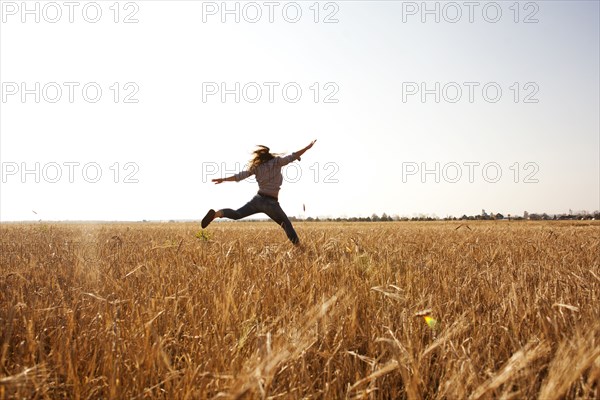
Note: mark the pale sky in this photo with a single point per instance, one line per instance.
(156, 156)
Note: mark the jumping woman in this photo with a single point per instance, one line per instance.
(267, 168)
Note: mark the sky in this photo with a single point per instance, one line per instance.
(126, 110)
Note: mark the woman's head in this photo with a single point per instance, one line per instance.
(261, 155)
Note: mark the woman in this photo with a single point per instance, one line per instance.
(267, 168)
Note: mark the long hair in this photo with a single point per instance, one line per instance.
(261, 155)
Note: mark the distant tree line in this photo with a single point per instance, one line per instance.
(484, 216)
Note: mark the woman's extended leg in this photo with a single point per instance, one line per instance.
(276, 213)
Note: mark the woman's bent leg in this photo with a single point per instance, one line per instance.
(247, 209)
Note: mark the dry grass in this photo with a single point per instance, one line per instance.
(135, 311)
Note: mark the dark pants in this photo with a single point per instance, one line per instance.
(266, 205)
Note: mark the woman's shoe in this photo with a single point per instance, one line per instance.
(210, 215)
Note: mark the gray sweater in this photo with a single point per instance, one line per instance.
(268, 174)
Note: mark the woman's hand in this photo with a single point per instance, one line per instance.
(218, 180)
(310, 145)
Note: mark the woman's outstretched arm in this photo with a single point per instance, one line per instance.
(302, 151)
(233, 178)
(221, 180)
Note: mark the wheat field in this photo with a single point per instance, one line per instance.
(395, 310)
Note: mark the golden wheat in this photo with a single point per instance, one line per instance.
(135, 311)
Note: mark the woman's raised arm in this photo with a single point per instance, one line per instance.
(302, 151)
